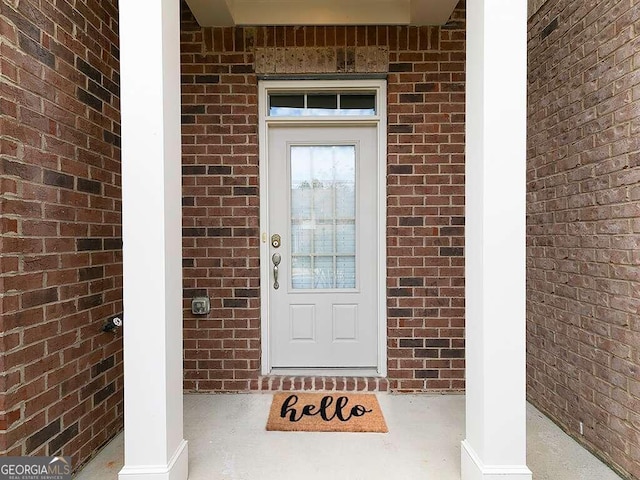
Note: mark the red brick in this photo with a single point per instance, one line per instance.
(239, 93)
(50, 126)
(580, 164)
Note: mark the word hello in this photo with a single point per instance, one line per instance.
(339, 410)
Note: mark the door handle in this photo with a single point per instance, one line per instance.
(276, 261)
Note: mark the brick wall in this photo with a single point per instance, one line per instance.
(60, 376)
(584, 223)
(425, 192)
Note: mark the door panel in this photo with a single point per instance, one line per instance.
(322, 203)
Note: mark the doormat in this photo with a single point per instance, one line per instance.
(326, 412)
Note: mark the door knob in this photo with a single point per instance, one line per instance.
(276, 258)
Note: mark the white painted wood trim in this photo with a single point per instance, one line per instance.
(269, 86)
(211, 13)
(177, 468)
(495, 241)
(382, 229)
(152, 241)
(263, 171)
(472, 468)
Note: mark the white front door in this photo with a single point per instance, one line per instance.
(322, 196)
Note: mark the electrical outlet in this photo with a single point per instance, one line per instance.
(200, 305)
(581, 428)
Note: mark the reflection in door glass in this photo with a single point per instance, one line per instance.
(321, 104)
(323, 223)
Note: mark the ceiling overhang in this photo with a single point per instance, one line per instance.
(210, 13)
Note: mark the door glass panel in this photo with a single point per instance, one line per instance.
(286, 104)
(323, 273)
(322, 100)
(323, 237)
(301, 272)
(358, 104)
(301, 238)
(321, 104)
(323, 223)
(346, 236)
(346, 267)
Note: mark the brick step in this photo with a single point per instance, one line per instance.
(278, 383)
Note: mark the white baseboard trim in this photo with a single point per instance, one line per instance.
(474, 469)
(176, 469)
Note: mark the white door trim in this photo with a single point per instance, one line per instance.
(380, 121)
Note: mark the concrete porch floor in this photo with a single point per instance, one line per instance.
(228, 440)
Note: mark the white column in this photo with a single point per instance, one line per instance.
(495, 444)
(151, 209)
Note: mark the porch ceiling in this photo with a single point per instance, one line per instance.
(211, 13)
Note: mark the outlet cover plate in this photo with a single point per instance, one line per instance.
(200, 305)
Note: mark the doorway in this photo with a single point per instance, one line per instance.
(323, 219)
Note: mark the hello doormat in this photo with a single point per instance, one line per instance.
(326, 412)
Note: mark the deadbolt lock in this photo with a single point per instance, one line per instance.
(275, 240)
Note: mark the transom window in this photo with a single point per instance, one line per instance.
(321, 104)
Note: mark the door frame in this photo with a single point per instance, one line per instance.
(379, 121)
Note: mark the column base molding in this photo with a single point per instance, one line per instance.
(176, 469)
(473, 468)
